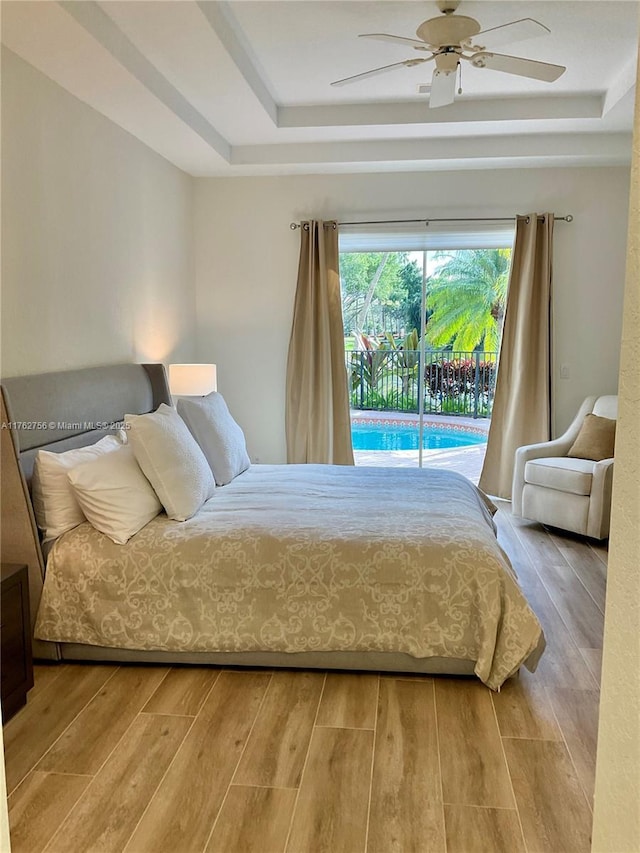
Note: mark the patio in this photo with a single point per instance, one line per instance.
(465, 460)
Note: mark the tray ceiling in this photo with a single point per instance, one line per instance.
(243, 87)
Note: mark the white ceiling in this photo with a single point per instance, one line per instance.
(242, 87)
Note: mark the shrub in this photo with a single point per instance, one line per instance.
(385, 376)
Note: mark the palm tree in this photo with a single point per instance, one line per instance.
(467, 297)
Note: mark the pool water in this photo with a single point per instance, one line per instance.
(406, 437)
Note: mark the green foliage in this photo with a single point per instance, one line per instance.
(463, 405)
(389, 304)
(465, 307)
(385, 376)
(411, 276)
(367, 363)
(453, 384)
(454, 377)
(394, 401)
(406, 358)
(407, 351)
(467, 297)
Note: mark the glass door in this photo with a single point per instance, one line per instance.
(422, 330)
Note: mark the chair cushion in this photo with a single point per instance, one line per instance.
(561, 473)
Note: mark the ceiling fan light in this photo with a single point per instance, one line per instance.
(447, 62)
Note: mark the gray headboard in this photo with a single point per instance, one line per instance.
(73, 408)
(57, 412)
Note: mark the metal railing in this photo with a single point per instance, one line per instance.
(454, 383)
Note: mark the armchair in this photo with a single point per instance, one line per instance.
(563, 491)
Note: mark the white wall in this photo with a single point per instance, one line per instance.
(246, 266)
(97, 236)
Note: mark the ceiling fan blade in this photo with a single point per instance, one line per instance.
(517, 65)
(443, 88)
(381, 70)
(525, 28)
(416, 43)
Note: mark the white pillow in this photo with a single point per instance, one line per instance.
(115, 496)
(220, 437)
(54, 503)
(171, 460)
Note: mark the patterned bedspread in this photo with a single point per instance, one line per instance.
(294, 558)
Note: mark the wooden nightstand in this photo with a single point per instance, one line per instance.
(15, 639)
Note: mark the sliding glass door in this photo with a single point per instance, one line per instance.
(422, 320)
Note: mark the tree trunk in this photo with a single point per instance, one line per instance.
(370, 292)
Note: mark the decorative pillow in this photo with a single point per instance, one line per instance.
(54, 503)
(171, 460)
(220, 437)
(115, 496)
(595, 440)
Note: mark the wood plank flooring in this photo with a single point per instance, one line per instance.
(181, 759)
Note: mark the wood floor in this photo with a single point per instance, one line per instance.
(108, 758)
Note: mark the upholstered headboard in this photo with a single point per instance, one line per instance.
(58, 412)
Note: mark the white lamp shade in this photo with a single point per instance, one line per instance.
(192, 380)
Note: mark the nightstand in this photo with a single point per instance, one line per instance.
(15, 639)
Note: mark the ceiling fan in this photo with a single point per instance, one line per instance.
(453, 38)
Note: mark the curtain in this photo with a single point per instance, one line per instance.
(318, 423)
(522, 405)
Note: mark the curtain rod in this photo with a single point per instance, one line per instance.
(568, 218)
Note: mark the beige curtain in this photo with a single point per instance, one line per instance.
(522, 404)
(318, 423)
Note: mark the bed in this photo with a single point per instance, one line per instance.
(288, 565)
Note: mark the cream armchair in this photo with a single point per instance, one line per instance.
(562, 491)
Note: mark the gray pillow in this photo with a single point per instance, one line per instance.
(220, 438)
(171, 460)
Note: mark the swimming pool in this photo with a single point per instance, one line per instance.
(405, 436)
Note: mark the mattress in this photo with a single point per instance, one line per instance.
(304, 558)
